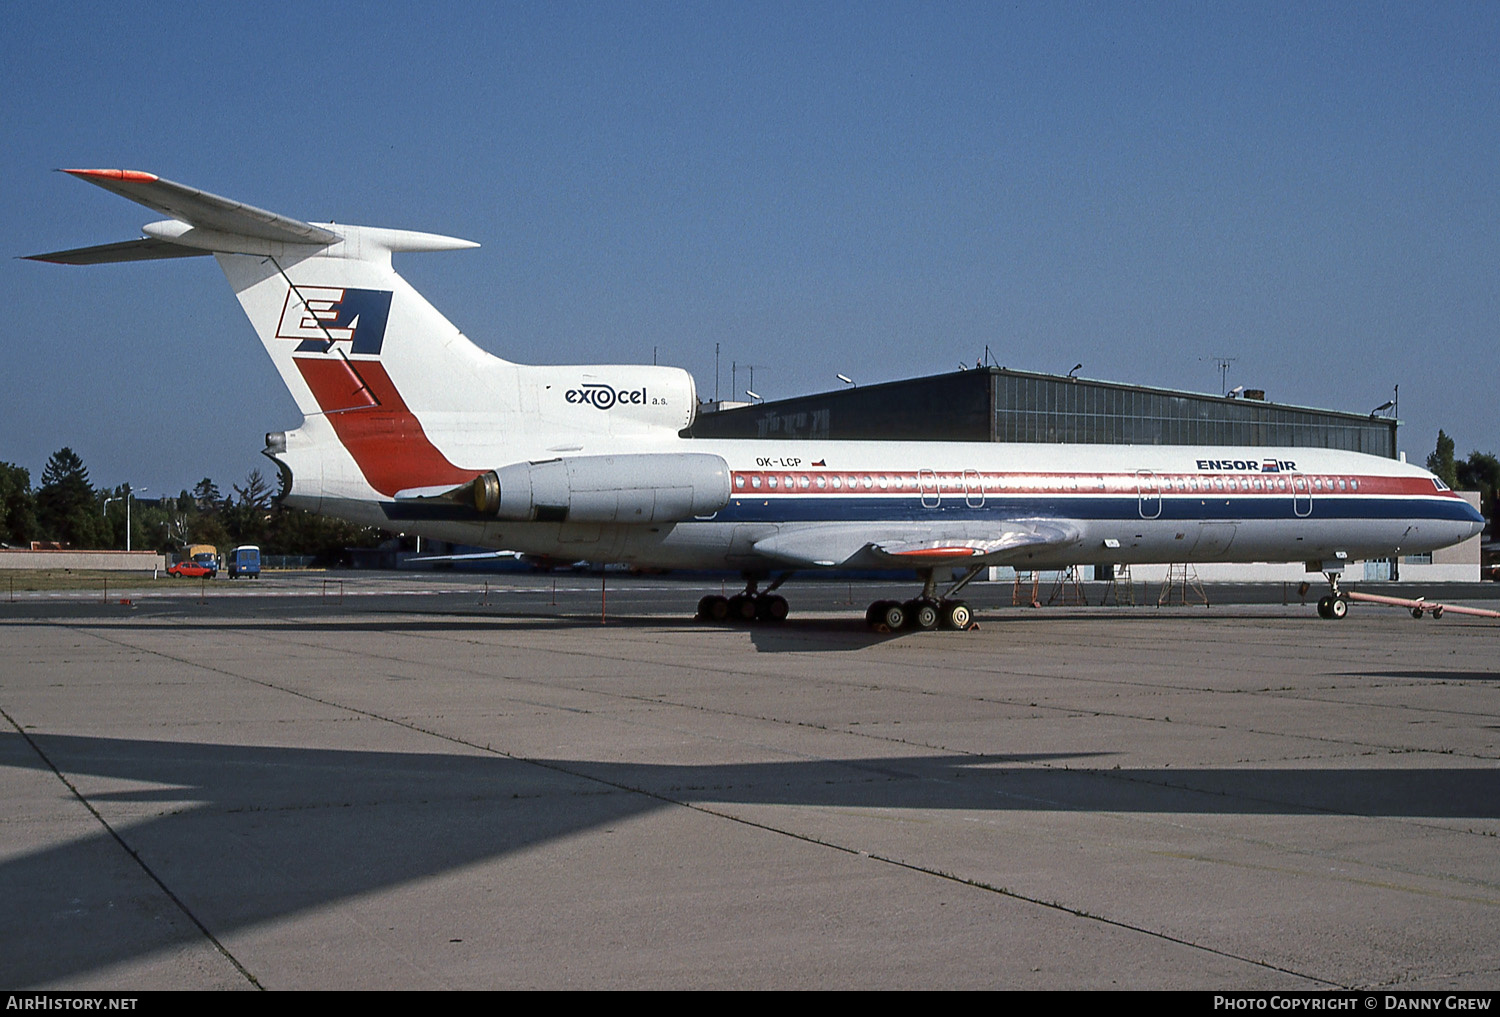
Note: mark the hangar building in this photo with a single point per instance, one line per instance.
(999, 404)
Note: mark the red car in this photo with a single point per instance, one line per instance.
(191, 569)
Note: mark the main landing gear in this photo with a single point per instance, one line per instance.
(1335, 604)
(927, 611)
(750, 606)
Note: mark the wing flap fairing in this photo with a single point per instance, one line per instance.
(859, 545)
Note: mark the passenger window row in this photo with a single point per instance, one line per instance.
(950, 483)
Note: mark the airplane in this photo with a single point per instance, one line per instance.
(409, 426)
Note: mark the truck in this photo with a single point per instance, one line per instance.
(245, 561)
(204, 554)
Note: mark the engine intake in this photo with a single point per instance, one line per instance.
(632, 488)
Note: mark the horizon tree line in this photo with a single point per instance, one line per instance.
(67, 509)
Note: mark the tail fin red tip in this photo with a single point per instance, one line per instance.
(115, 174)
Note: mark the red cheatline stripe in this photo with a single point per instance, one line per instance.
(373, 423)
(1028, 482)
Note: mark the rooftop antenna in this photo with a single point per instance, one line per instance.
(1223, 365)
(751, 368)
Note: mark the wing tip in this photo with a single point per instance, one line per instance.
(132, 176)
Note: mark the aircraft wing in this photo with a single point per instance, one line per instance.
(865, 545)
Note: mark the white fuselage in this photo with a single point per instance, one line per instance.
(1122, 504)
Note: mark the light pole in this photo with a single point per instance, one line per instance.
(128, 492)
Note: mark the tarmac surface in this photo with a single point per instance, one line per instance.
(461, 781)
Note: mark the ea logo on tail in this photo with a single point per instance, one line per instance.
(323, 315)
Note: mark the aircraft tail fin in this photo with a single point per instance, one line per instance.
(321, 292)
(377, 370)
(351, 339)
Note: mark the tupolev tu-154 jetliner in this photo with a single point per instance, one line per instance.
(409, 426)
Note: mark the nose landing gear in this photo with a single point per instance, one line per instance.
(1335, 605)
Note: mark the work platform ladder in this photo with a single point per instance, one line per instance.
(1018, 597)
(1121, 587)
(1182, 580)
(1068, 590)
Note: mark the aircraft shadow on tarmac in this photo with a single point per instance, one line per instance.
(244, 835)
(809, 635)
(1432, 674)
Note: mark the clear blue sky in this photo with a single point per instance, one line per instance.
(875, 189)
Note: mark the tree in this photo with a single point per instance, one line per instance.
(17, 505)
(256, 491)
(208, 528)
(206, 494)
(294, 531)
(1441, 462)
(248, 516)
(66, 507)
(1480, 472)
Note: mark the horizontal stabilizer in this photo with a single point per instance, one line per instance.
(146, 249)
(203, 210)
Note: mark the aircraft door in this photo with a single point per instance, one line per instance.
(1148, 492)
(932, 495)
(1301, 495)
(973, 489)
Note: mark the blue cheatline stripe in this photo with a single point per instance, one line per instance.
(825, 508)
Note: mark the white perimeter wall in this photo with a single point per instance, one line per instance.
(117, 561)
